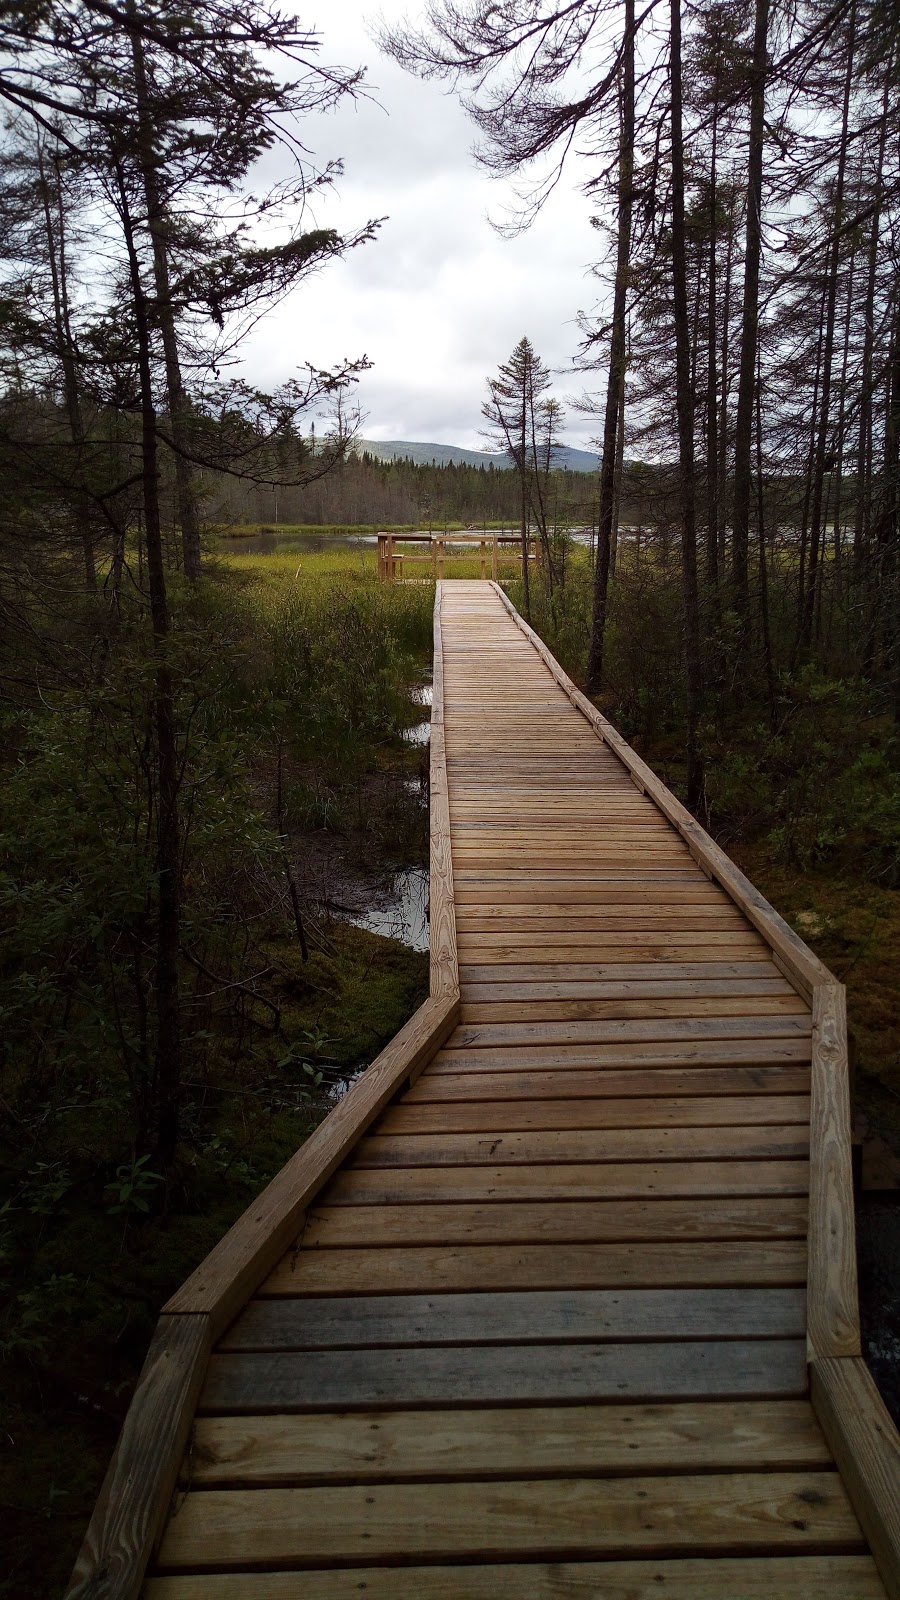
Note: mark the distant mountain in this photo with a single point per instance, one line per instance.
(440, 455)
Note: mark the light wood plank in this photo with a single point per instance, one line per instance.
(133, 1502)
(691, 1112)
(537, 1147)
(745, 1578)
(764, 1262)
(580, 1181)
(866, 1448)
(559, 1221)
(761, 1512)
(833, 1303)
(519, 1441)
(438, 1088)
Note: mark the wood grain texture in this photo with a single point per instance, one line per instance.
(866, 1447)
(435, 1089)
(444, 971)
(556, 1221)
(626, 1181)
(799, 963)
(581, 1266)
(763, 1512)
(538, 1147)
(516, 1441)
(230, 1273)
(674, 1111)
(744, 1578)
(133, 1502)
(833, 1301)
(540, 1317)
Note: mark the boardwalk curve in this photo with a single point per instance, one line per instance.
(560, 1301)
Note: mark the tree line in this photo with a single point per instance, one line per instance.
(742, 163)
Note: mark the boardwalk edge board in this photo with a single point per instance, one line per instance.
(833, 1302)
(131, 1512)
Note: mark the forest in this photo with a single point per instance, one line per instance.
(204, 751)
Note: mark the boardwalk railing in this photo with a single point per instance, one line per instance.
(396, 548)
(133, 1504)
(853, 1416)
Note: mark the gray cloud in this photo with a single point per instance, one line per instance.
(440, 299)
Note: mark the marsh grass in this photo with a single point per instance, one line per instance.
(294, 691)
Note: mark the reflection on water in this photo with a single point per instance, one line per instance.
(270, 540)
(422, 694)
(420, 734)
(403, 913)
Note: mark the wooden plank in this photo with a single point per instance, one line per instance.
(525, 972)
(545, 1012)
(742, 1578)
(559, 1221)
(518, 1317)
(622, 1030)
(762, 1512)
(501, 1374)
(442, 1269)
(230, 1273)
(520, 1441)
(538, 1147)
(833, 1302)
(866, 1448)
(443, 969)
(521, 1116)
(704, 1052)
(128, 1516)
(605, 1181)
(658, 987)
(799, 962)
(587, 1083)
(622, 945)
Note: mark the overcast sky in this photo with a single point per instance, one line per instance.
(440, 299)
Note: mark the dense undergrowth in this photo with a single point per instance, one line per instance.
(294, 690)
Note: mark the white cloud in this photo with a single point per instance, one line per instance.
(440, 299)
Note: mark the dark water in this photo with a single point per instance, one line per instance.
(878, 1247)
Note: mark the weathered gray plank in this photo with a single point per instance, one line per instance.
(500, 1374)
(567, 1317)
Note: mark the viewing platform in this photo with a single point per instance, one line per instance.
(396, 550)
(559, 1302)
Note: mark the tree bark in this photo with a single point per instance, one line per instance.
(179, 406)
(57, 262)
(167, 1074)
(743, 431)
(684, 402)
(615, 388)
(817, 526)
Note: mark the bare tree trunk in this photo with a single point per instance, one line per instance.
(684, 401)
(817, 527)
(615, 388)
(57, 262)
(864, 451)
(726, 388)
(743, 432)
(179, 406)
(712, 380)
(167, 1084)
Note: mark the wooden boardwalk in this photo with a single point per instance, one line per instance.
(534, 1313)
